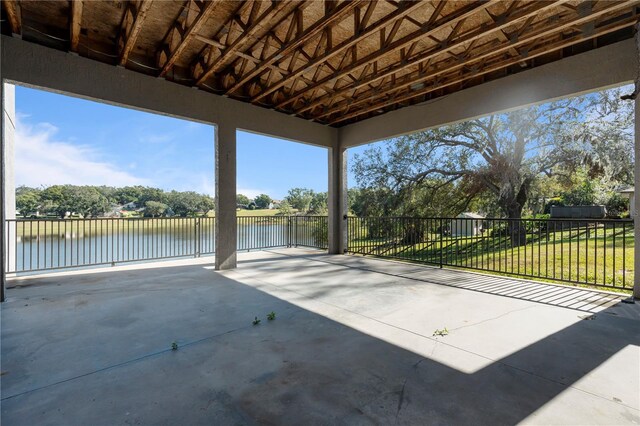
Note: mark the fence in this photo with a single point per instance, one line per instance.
(39, 245)
(593, 252)
(261, 232)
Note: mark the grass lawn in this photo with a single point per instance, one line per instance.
(599, 256)
(52, 227)
(261, 212)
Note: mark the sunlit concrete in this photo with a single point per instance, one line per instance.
(353, 343)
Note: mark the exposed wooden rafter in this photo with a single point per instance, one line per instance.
(134, 16)
(404, 8)
(256, 22)
(432, 26)
(12, 9)
(193, 16)
(314, 30)
(75, 24)
(452, 44)
(332, 61)
(384, 99)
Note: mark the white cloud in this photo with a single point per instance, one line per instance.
(40, 159)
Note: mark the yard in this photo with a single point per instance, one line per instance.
(596, 255)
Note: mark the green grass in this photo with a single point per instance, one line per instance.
(61, 227)
(53, 227)
(261, 212)
(593, 258)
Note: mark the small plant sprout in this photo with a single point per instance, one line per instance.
(442, 332)
(174, 346)
(271, 316)
(256, 321)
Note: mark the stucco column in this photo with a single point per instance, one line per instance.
(3, 275)
(337, 200)
(9, 177)
(636, 199)
(226, 224)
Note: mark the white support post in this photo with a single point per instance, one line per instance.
(636, 218)
(226, 224)
(3, 274)
(337, 200)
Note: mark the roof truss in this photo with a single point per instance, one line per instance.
(332, 61)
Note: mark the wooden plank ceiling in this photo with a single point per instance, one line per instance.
(335, 62)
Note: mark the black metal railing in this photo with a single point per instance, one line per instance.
(47, 244)
(593, 252)
(583, 251)
(36, 245)
(262, 232)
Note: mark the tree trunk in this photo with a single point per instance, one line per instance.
(516, 228)
(413, 233)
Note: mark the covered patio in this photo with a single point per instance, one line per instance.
(354, 342)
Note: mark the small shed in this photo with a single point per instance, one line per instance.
(467, 224)
(578, 212)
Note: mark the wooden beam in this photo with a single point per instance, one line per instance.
(12, 9)
(433, 26)
(242, 55)
(544, 49)
(314, 30)
(524, 14)
(404, 9)
(75, 24)
(204, 68)
(183, 30)
(134, 16)
(490, 51)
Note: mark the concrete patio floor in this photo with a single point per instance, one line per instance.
(353, 343)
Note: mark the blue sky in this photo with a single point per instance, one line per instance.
(61, 140)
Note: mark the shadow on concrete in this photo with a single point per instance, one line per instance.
(584, 299)
(94, 349)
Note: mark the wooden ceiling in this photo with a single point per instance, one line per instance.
(334, 62)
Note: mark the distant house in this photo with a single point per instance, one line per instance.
(467, 224)
(630, 193)
(129, 206)
(275, 204)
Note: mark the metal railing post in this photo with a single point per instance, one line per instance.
(441, 243)
(197, 238)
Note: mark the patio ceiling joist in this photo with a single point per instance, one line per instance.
(453, 42)
(134, 16)
(456, 69)
(192, 17)
(12, 10)
(296, 38)
(334, 62)
(253, 27)
(387, 46)
(75, 22)
(360, 32)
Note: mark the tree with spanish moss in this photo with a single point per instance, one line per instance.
(502, 155)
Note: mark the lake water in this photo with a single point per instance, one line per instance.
(33, 250)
